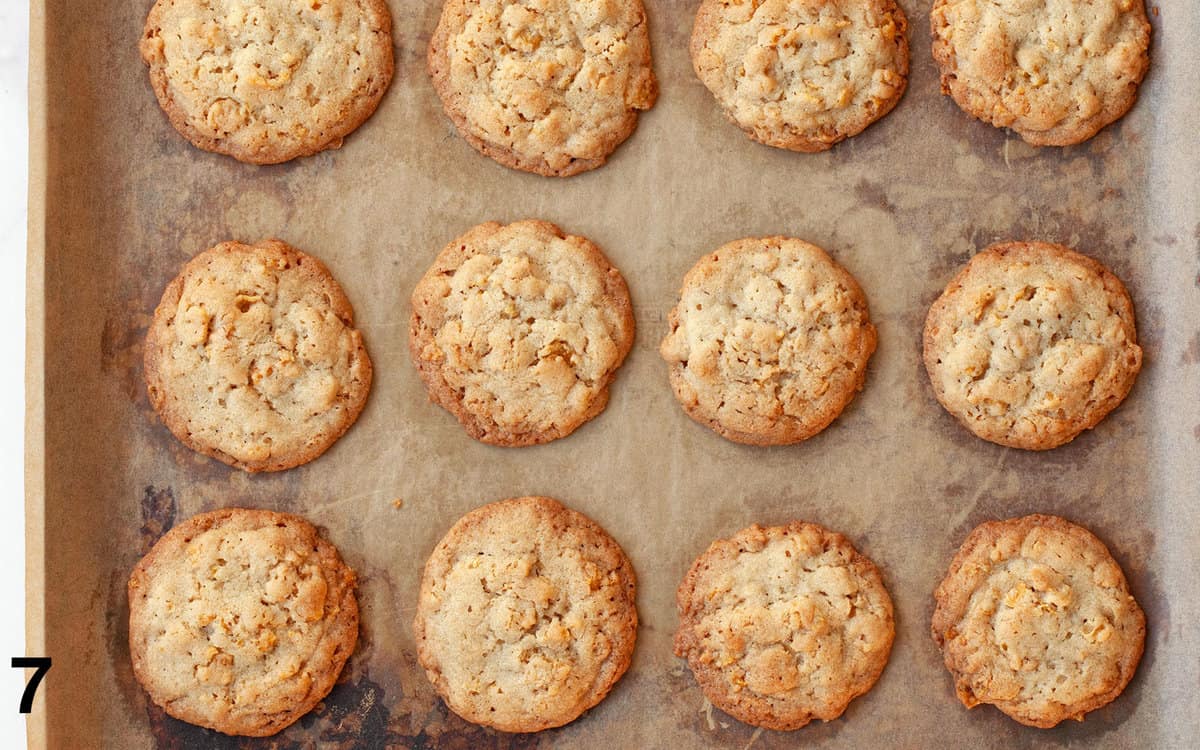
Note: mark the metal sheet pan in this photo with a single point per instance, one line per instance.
(120, 201)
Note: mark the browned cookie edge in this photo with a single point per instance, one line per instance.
(624, 635)
(704, 28)
(421, 334)
(1034, 252)
(789, 431)
(947, 62)
(453, 19)
(951, 599)
(273, 153)
(339, 644)
(155, 344)
(690, 605)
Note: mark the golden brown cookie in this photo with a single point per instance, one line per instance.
(1035, 617)
(269, 80)
(519, 329)
(1054, 71)
(784, 625)
(241, 620)
(526, 616)
(545, 86)
(1031, 344)
(253, 358)
(802, 74)
(769, 341)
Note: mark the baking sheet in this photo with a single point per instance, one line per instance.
(120, 201)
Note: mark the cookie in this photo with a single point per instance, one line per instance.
(1035, 618)
(271, 80)
(769, 341)
(544, 86)
(518, 330)
(241, 620)
(802, 74)
(784, 625)
(526, 615)
(1055, 71)
(1031, 344)
(253, 358)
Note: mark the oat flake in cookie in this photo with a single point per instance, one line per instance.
(544, 86)
(253, 358)
(241, 620)
(769, 341)
(1031, 344)
(802, 74)
(784, 625)
(526, 616)
(265, 81)
(519, 329)
(1035, 617)
(1054, 71)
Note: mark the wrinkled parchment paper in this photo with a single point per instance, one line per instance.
(121, 201)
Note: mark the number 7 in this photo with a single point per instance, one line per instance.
(42, 665)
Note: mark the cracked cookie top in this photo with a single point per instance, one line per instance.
(1035, 617)
(519, 329)
(1031, 344)
(769, 341)
(783, 625)
(269, 80)
(802, 74)
(241, 620)
(526, 615)
(544, 86)
(253, 358)
(1054, 71)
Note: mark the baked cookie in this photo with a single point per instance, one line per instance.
(519, 329)
(1054, 71)
(769, 341)
(253, 358)
(1035, 618)
(802, 74)
(241, 620)
(526, 615)
(271, 80)
(545, 86)
(1031, 344)
(784, 625)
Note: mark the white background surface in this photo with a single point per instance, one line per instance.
(14, 56)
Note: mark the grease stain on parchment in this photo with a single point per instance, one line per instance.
(158, 515)
(1191, 352)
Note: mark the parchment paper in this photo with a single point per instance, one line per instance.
(121, 202)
